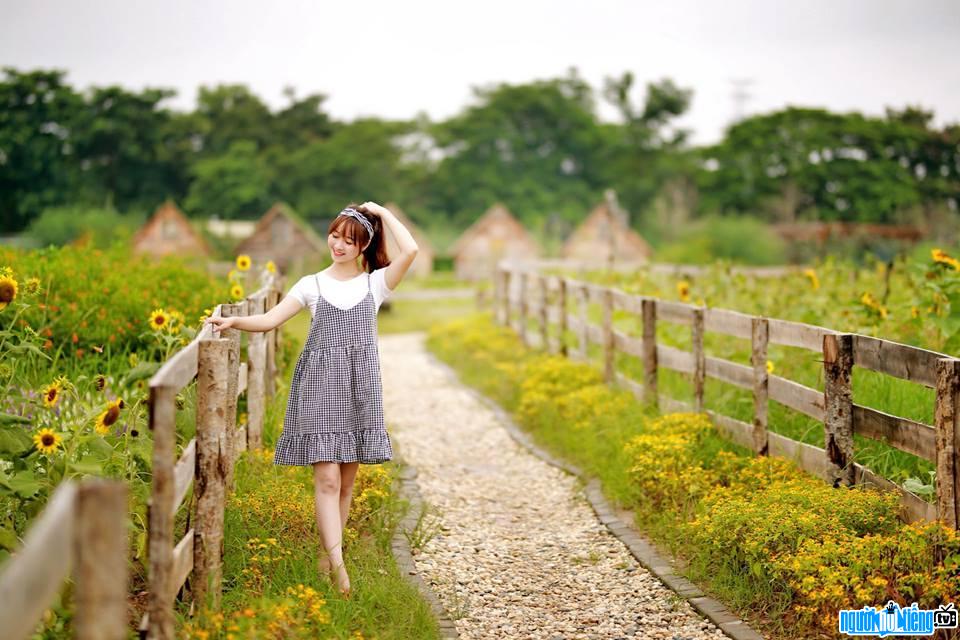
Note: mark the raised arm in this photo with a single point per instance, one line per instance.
(272, 319)
(408, 246)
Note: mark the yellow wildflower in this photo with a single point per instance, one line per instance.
(243, 262)
(51, 392)
(769, 366)
(271, 267)
(683, 290)
(236, 292)
(47, 441)
(812, 276)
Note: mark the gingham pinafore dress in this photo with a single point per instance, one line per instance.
(335, 407)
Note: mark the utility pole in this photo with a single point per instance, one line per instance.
(740, 96)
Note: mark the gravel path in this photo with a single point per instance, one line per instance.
(519, 552)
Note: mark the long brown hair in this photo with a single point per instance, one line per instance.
(375, 257)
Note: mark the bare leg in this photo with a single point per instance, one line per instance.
(348, 473)
(326, 480)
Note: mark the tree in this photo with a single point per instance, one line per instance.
(38, 111)
(533, 146)
(233, 185)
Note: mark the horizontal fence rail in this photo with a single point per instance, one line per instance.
(558, 305)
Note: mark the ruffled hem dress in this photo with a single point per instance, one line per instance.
(335, 406)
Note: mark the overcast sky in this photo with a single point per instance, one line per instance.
(396, 58)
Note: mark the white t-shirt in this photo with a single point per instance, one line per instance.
(341, 294)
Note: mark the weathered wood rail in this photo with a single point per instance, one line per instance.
(83, 528)
(523, 296)
(207, 461)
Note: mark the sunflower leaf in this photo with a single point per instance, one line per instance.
(13, 439)
(24, 484)
(10, 418)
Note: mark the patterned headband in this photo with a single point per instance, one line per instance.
(353, 213)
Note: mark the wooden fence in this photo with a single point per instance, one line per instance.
(84, 524)
(207, 461)
(83, 527)
(522, 296)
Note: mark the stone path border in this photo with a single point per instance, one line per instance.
(406, 486)
(641, 549)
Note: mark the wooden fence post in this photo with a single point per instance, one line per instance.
(562, 304)
(648, 308)
(699, 359)
(210, 488)
(608, 351)
(544, 335)
(256, 378)
(523, 307)
(838, 405)
(101, 550)
(233, 381)
(160, 532)
(584, 333)
(273, 298)
(947, 425)
(760, 335)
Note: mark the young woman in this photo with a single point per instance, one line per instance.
(334, 417)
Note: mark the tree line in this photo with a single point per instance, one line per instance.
(539, 147)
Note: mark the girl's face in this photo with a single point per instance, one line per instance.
(342, 247)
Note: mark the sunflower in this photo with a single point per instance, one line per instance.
(236, 292)
(159, 320)
(8, 290)
(109, 417)
(271, 267)
(31, 285)
(176, 321)
(683, 290)
(100, 381)
(769, 366)
(243, 262)
(47, 441)
(51, 393)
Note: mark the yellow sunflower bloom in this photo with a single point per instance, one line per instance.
(109, 417)
(769, 366)
(8, 290)
(51, 393)
(47, 441)
(159, 320)
(243, 262)
(683, 290)
(236, 292)
(271, 267)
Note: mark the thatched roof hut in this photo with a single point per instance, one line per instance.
(423, 264)
(169, 232)
(496, 236)
(282, 236)
(605, 238)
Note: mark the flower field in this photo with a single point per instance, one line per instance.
(780, 546)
